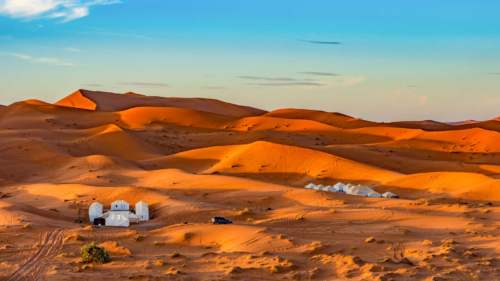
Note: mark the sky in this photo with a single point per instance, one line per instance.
(380, 60)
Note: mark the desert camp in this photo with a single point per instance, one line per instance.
(119, 215)
(351, 189)
(249, 140)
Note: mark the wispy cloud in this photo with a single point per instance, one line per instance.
(321, 42)
(263, 78)
(65, 10)
(40, 60)
(269, 81)
(288, 84)
(335, 80)
(324, 74)
(145, 84)
(72, 50)
(494, 73)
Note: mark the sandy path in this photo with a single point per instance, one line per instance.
(49, 246)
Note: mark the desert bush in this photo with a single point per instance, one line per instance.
(92, 253)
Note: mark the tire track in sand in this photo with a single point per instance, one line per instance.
(50, 245)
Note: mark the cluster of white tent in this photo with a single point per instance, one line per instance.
(351, 189)
(119, 214)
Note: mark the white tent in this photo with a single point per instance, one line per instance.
(117, 219)
(120, 205)
(389, 194)
(351, 189)
(361, 190)
(142, 210)
(95, 211)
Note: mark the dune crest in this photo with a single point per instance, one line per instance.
(106, 101)
(330, 118)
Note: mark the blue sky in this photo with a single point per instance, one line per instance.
(395, 59)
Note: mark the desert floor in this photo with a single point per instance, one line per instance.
(192, 159)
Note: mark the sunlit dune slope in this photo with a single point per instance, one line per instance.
(114, 141)
(263, 123)
(445, 184)
(292, 164)
(390, 133)
(408, 161)
(229, 238)
(330, 118)
(33, 114)
(141, 117)
(23, 158)
(467, 140)
(104, 101)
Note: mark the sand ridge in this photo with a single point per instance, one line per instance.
(105, 101)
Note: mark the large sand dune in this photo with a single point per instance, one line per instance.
(103, 101)
(193, 158)
(333, 119)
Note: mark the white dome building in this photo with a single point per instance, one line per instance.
(120, 205)
(142, 211)
(95, 211)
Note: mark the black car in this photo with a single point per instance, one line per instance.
(221, 220)
(99, 221)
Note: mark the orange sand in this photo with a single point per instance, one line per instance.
(192, 159)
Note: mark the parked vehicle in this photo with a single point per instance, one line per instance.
(221, 220)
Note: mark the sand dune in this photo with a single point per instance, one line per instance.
(37, 115)
(464, 122)
(454, 184)
(103, 101)
(469, 140)
(192, 159)
(292, 164)
(493, 125)
(389, 132)
(114, 141)
(261, 123)
(331, 118)
(428, 125)
(141, 117)
(229, 238)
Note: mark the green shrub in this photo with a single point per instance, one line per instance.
(93, 253)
